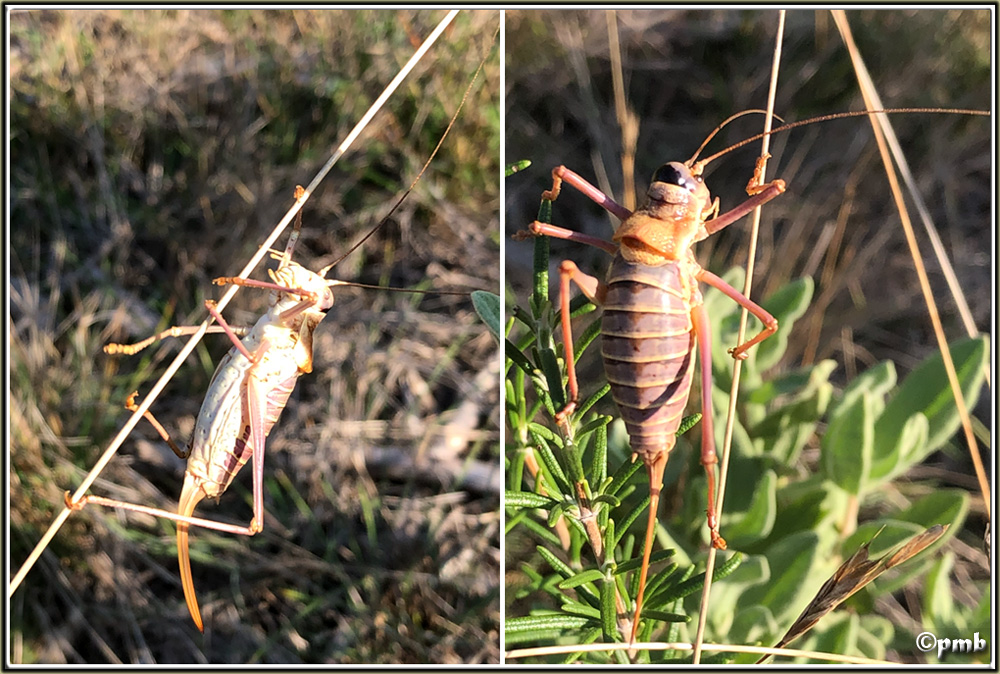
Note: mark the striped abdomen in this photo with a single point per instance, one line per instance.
(648, 349)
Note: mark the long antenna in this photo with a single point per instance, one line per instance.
(427, 163)
(826, 118)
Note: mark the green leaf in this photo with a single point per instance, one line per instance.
(752, 625)
(758, 520)
(555, 621)
(665, 578)
(625, 522)
(839, 635)
(599, 463)
(544, 452)
(611, 501)
(912, 437)
(727, 598)
(609, 613)
(877, 381)
(941, 506)
(793, 579)
(621, 477)
(576, 608)
(873, 636)
(810, 505)
(557, 564)
(664, 616)
(655, 557)
(783, 384)
(787, 304)
(847, 445)
(516, 166)
(939, 602)
(487, 305)
(592, 400)
(527, 499)
(926, 390)
(515, 469)
(513, 353)
(543, 636)
(687, 423)
(787, 428)
(695, 583)
(553, 377)
(804, 406)
(588, 576)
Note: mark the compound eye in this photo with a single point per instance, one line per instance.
(676, 173)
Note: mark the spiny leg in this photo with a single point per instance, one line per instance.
(545, 229)
(214, 311)
(176, 331)
(760, 195)
(770, 322)
(699, 319)
(257, 409)
(595, 291)
(562, 174)
(654, 468)
(132, 407)
(91, 499)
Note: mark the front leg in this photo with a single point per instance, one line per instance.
(770, 322)
(759, 195)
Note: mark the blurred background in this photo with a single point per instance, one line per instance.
(152, 151)
(687, 71)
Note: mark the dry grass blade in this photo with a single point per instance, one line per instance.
(879, 125)
(954, 287)
(519, 653)
(744, 315)
(628, 121)
(853, 575)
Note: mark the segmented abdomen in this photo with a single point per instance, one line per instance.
(648, 349)
(222, 443)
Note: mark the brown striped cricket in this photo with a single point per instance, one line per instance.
(654, 321)
(596, 126)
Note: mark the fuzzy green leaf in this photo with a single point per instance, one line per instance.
(588, 576)
(877, 381)
(555, 621)
(609, 614)
(787, 304)
(527, 499)
(792, 561)
(847, 445)
(926, 390)
(939, 600)
(758, 520)
(487, 305)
